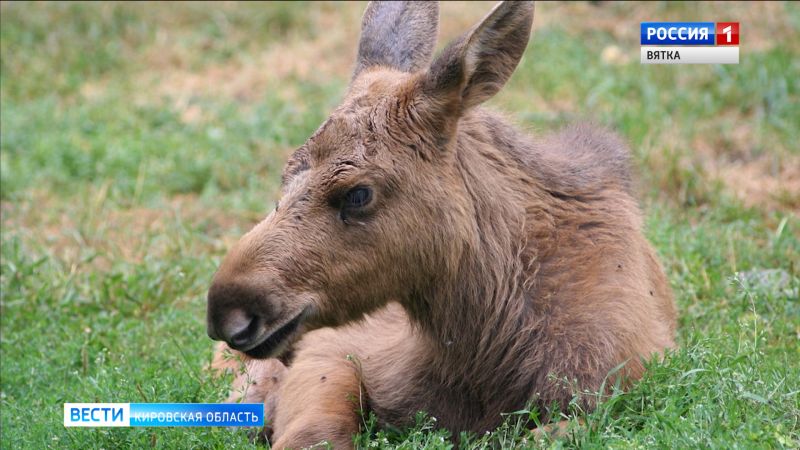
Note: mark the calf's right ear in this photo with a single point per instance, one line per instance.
(397, 34)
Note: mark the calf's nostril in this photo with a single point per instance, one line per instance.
(235, 326)
(245, 335)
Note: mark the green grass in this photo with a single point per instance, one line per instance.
(121, 189)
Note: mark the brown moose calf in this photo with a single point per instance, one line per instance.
(427, 256)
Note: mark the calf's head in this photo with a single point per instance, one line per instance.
(373, 207)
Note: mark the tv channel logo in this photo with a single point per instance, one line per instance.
(689, 42)
(97, 415)
(163, 414)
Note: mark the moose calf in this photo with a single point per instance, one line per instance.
(427, 256)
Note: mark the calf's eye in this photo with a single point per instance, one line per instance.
(358, 197)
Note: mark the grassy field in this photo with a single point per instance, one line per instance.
(140, 141)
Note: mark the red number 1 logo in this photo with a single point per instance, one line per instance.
(727, 33)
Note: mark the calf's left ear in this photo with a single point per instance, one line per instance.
(475, 67)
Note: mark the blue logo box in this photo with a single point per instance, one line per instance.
(677, 33)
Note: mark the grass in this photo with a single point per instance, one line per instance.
(139, 142)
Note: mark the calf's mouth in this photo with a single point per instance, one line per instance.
(273, 344)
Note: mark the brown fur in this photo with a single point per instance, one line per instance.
(489, 269)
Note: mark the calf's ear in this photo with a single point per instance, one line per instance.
(399, 35)
(474, 67)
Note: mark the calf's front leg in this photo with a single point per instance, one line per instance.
(319, 402)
